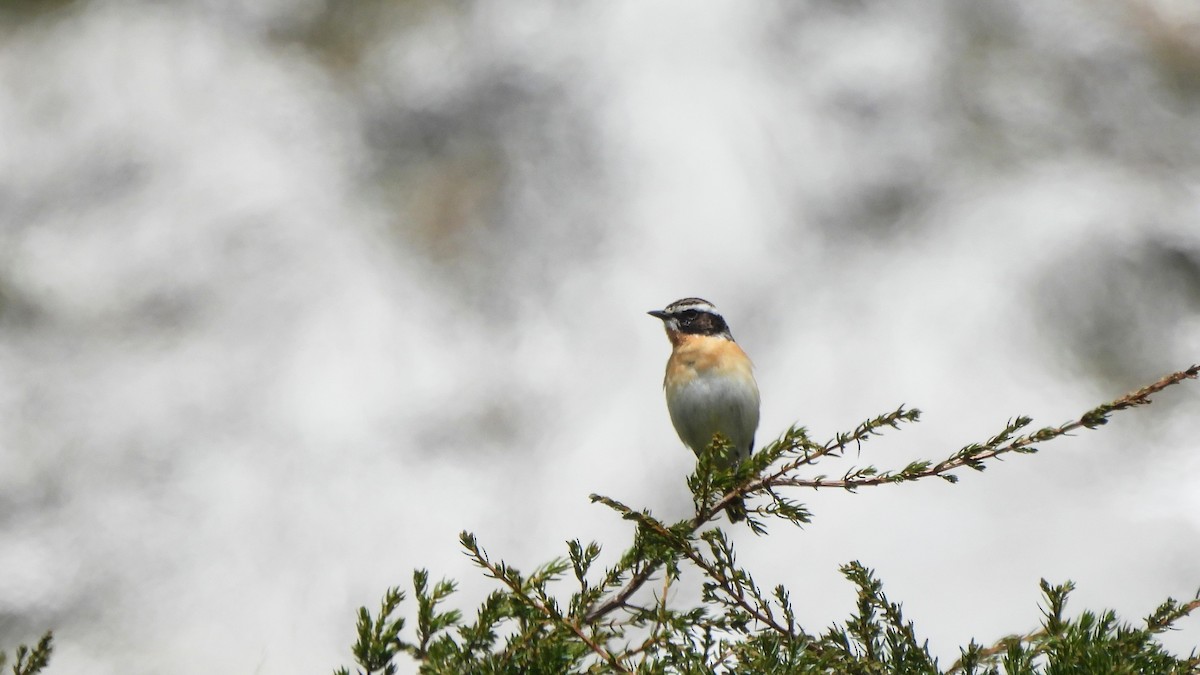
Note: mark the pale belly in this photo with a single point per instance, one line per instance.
(707, 405)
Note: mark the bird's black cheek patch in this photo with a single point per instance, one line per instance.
(703, 323)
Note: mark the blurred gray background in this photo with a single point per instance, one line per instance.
(292, 292)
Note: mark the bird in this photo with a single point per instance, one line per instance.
(709, 384)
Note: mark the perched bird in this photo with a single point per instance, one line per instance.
(709, 384)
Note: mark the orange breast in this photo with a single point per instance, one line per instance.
(695, 354)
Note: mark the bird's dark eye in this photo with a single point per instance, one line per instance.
(688, 315)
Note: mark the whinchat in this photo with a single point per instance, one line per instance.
(709, 384)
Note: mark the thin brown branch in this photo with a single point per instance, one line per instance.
(779, 477)
(1001, 645)
(1178, 613)
(835, 447)
(639, 578)
(832, 448)
(594, 646)
(620, 599)
(735, 594)
(1091, 419)
(551, 613)
(730, 589)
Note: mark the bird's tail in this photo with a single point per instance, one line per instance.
(736, 510)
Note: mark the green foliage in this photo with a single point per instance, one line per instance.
(569, 616)
(379, 637)
(31, 660)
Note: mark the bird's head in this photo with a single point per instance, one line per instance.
(692, 316)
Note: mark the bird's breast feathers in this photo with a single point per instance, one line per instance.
(706, 356)
(710, 388)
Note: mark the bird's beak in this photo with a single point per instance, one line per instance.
(658, 314)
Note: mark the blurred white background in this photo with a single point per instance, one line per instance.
(293, 292)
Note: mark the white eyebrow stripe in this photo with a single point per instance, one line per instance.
(697, 305)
